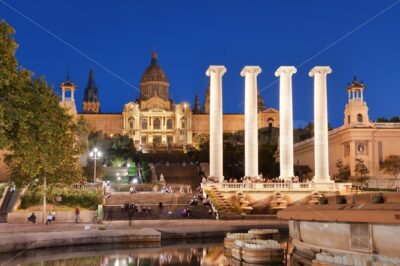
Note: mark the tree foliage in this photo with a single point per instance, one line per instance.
(39, 134)
(394, 119)
(361, 170)
(391, 165)
(343, 171)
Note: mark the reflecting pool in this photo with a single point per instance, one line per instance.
(166, 254)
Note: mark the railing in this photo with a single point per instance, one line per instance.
(88, 186)
(271, 187)
(261, 186)
(386, 125)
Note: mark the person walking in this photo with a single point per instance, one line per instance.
(77, 213)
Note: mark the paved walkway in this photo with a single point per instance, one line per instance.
(168, 226)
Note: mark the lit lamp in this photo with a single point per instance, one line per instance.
(118, 177)
(95, 154)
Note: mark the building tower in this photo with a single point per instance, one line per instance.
(67, 96)
(154, 81)
(356, 111)
(260, 103)
(206, 104)
(91, 103)
(196, 107)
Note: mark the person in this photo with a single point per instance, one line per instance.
(32, 218)
(49, 218)
(184, 212)
(77, 212)
(160, 206)
(54, 216)
(397, 189)
(131, 190)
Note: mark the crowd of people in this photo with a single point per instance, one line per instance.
(259, 179)
(197, 199)
(135, 208)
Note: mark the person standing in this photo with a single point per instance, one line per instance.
(77, 213)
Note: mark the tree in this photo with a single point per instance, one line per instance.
(343, 171)
(361, 170)
(146, 172)
(88, 171)
(391, 165)
(395, 119)
(382, 120)
(39, 134)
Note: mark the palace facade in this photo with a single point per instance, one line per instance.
(155, 120)
(357, 138)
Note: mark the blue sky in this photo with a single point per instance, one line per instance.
(191, 35)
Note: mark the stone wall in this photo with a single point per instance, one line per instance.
(61, 216)
(337, 238)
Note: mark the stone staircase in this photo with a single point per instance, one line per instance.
(223, 207)
(200, 212)
(172, 205)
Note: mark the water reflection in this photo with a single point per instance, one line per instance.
(193, 254)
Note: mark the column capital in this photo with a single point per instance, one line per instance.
(216, 69)
(250, 70)
(285, 69)
(320, 70)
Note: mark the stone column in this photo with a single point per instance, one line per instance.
(216, 121)
(250, 120)
(285, 121)
(321, 124)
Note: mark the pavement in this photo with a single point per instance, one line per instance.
(164, 226)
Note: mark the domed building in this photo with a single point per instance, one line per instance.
(156, 122)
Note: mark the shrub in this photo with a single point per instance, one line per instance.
(88, 199)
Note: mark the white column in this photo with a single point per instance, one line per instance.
(321, 124)
(250, 120)
(63, 95)
(216, 122)
(285, 121)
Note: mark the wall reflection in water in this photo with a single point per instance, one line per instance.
(170, 255)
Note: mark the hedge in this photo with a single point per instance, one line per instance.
(88, 199)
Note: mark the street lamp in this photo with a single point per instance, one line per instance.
(95, 154)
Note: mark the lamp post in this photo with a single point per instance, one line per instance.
(95, 154)
(44, 199)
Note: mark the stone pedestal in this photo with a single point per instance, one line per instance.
(250, 120)
(285, 121)
(321, 124)
(216, 122)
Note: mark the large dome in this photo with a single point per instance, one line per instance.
(154, 72)
(154, 82)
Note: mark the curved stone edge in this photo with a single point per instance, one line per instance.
(11, 243)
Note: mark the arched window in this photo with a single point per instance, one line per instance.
(169, 124)
(359, 118)
(270, 122)
(144, 124)
(131, 123)
(183, 123)
(157, 123)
